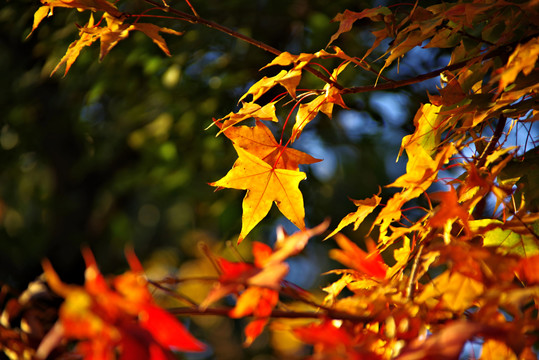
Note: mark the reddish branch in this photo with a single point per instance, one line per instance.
(195, 19)
(493, 142)
(419, 78)
(335, 315)
(213, 25)
(503, 50)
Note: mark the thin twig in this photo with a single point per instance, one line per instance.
(192, 8)
(501, 50)
(284, 314)
(174, 294)
(413, 273)
(493, 142)
(213, 25)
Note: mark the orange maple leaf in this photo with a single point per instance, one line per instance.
(261, 294)
(263, 278)
(449, 210)
(116, 317)
(354, 257)
(325, 334)
(88, 35)
(528, 270)
(332, 341)
(265, 185)
(259, 141)
(109, 35)
(348, 18)
(152, 31)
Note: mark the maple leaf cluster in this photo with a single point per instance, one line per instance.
(260, 282)
(482, 256)
(425, 285)
(109, 34)
(114, 317)
(267, 169)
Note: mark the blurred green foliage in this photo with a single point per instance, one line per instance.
(116, 152)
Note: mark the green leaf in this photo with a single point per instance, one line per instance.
(510, 242)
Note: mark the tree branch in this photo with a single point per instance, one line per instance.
(334, 315)
(492, 143)
(213, 25)
(501, 50)
(194, 19)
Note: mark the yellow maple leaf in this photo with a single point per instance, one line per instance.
(496, 350)
(92, 5)
(523, 60)
(249, 110)
(88, 35)
(364, 208)
(429, 126)
(265, 185)
(457, 291)
(289, 80)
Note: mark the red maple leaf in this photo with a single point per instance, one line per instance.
(113, 317)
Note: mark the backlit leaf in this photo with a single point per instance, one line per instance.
(522, 59)
(105, 317)
(259, 141)
(354, 257)
(458, 292)
(364, 208)
(152, 31)
(249, 110)
(348, 18)
(510, 242)
(496, 350)
(265, 185)
(429, 125)
(449, 209)
(322, 103)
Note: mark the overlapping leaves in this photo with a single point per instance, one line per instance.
(266, 182)
(258, 284)
(114, 29)
(113, 317)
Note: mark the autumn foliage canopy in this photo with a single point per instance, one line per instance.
(459, 266)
